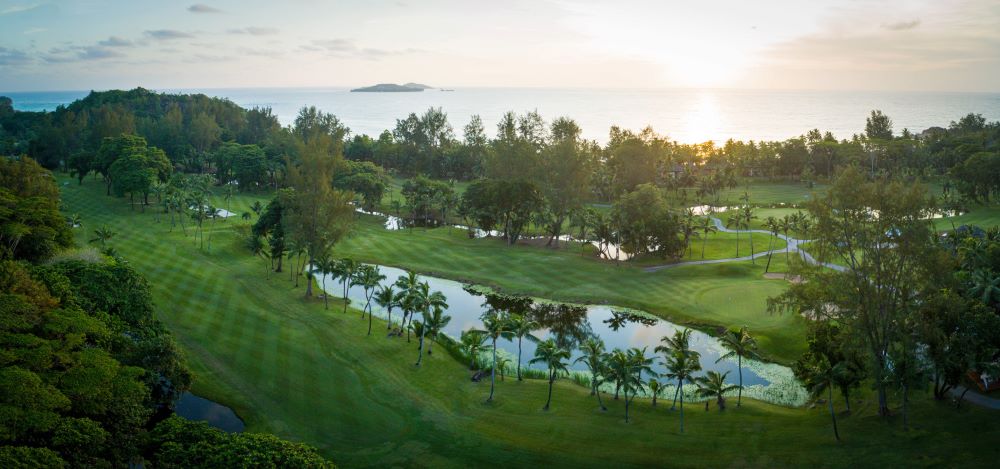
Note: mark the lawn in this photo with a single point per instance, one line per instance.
(288, 366)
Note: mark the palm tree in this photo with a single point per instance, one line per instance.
(594, 358)
(747, 217)
(821, 376)
(424, 301)
(628, 368)
(713, 384)
(521, 328)
(344, 270)
(502, 363)
(707, 228)
(369, 277)
(228, 194)
(787, 224)
(435, 323)
(734, 223)
(472, 343)
(679, 342)
(407, 284)
(554, 357)
(103, 234)
(655, 389)
(75, 220)
(386, 298)
(774, 226)
(325, 266)
(741, 345)
(681, 366)
(496, 325)
(985, 285)
(689, 229)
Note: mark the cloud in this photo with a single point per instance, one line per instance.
(202, 8)
(901, 25)
(347, 48)
(96, 53)
(115, 41)
(17, 9)
(13, 57)
(254, 31)
(35, 30)
(167, 34)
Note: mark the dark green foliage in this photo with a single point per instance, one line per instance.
(31, 226)
(365, 179)
(178, 443)
(508, 205)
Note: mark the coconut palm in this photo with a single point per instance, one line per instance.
(554, 358)
(521, 328)
(681, 366)
(628, 367)
(747, 217)
(774, 226)
(369, 277)
(386, 298)
(595, 359)
(102, 235)
(425, 301)
(740, 345)
(228, 193)
(407, 284)
(344, 271)
(821, 375)
(713, 384)
(707, 227)
(75, 220)
(679, 342)
(985, 285)
(472, 343)
(733, 222)
(786, 224)
(502, 363)
(436, 322)
(325, 266)
(496, 325)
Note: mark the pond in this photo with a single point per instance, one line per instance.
(571, 324)
(198, 408)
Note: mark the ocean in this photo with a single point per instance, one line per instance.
(684, 115)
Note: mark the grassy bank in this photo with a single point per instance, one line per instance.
(288, 366)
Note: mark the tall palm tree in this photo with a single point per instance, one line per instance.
(595, 359)
(774, 226)
(386, 298)
(521, 327)
(496, 325)
(679, 342)
(554, 357)
(628, 367)
(746, 213)
(821, 376)
(787, 223)
(407, 284)
(713, 384)
(472, 343)
(435, 323)
(425, 301)
(502, 363)
(741, 345)
(345, 270)
(707, 227)
(325, 266)
(369, 277)
(682, 366)
(733, 222)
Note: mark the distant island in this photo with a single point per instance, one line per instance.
(393, 88)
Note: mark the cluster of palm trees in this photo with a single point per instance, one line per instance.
(189, 196)
(793, 222)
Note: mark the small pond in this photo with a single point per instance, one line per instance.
(194, 407)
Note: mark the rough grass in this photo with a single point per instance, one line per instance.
(288, 366)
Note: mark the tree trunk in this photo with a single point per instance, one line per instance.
(493, 373)
(368, 305)
(309, 284)
(739, 392)
(833, 416)
(326, 296)
(600, 401)
(552, 378)
(682, 411)
(626, 405)
(420, 350)
(519, 359)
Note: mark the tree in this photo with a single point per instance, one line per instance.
(564, 176)
(879, 229)
(680, 342)
(496, 325)
(408, 285)
(31, 226)
(387, 298)
(425, 301)
(820, 375)
(713, 384)
(521, 327)
(734, 222)
(741, 345)
(655, 389)
(627, 368)
(102, 235)
(435, 323)
(646, 223)
(707, 227)
(471, 343)
(681, 366)
(369, 277)
(318, 215)
(773, 226)
(345, 270)
(554, 359)
(594, 357)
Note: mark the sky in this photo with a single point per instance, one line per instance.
(941, 45)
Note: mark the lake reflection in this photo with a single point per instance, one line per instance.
(568, 324)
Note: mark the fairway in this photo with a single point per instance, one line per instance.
(287, 365)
